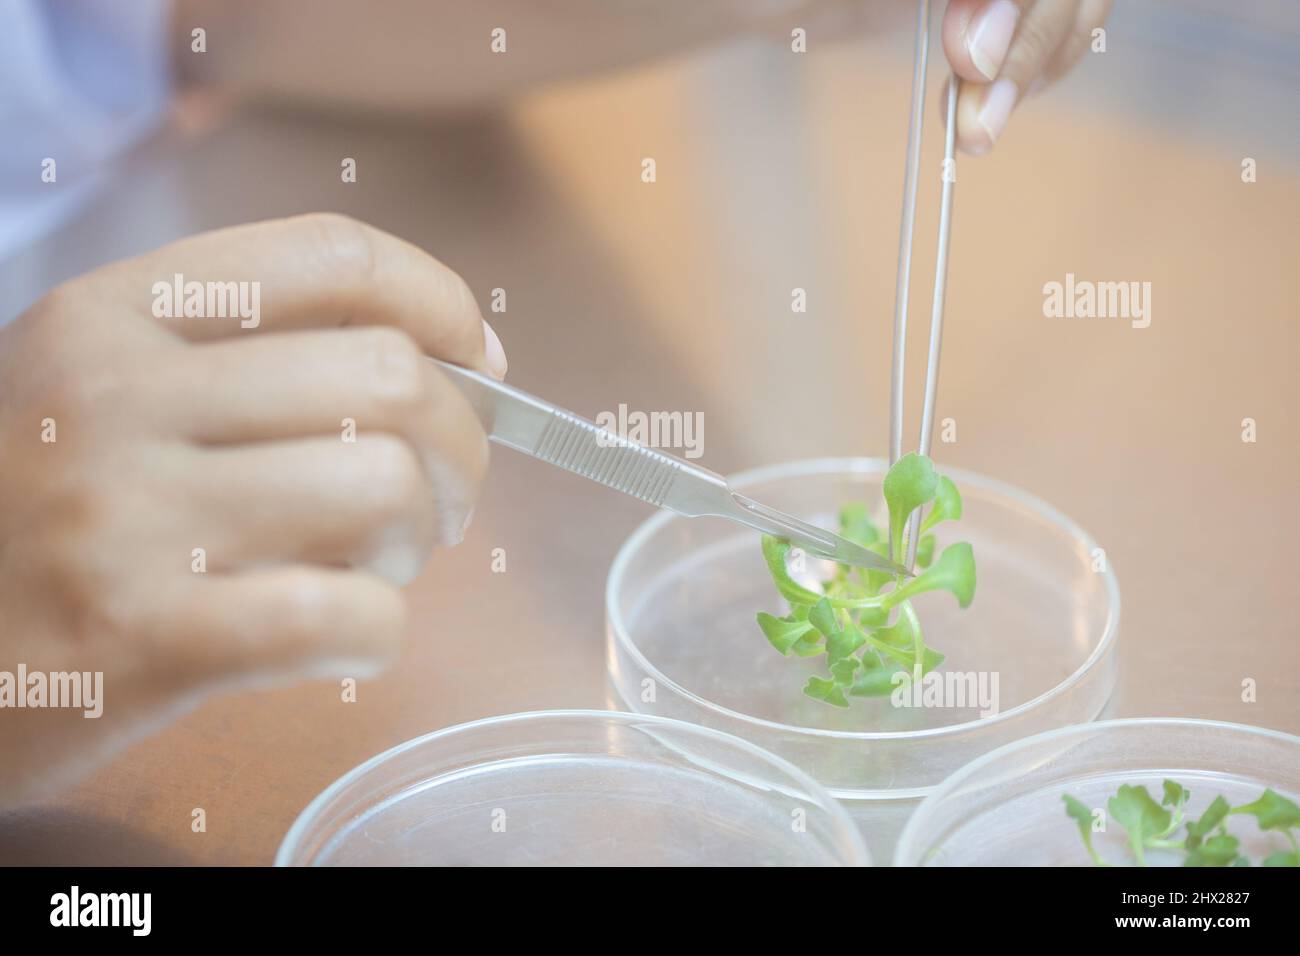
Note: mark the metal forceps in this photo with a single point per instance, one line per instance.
(529, 424)
(911, 175)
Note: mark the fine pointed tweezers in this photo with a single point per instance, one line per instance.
(535, 427)
(905, 258)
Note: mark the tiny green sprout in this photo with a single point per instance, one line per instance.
(1198, 830)
(954, 571)
(827, 690)
(910, 483)
(1175, 795)
(863, 619)
(1083, 817)
(1151, 825)
(1219, 850)
(1141, 817)
(947, 505)
(1272, 811)
(783, 632)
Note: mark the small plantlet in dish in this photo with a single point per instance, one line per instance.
(1205, 842)
(861, 619)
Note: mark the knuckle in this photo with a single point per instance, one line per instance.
(300, 608)
(394, 474)
(398, 369)
(1034, 44)
(49, 332)
(341, 242)
(93, 606)
(69, 376)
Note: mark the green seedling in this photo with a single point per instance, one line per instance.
(863, 620)
(1207, 842)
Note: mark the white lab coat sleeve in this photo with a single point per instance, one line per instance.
(81, 81)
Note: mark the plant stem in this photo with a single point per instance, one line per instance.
(918, 645)
(1158, 844)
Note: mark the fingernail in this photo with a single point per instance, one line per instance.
(494, 353)
(997, 108)
(989, 37)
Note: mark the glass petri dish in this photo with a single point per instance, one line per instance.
(1005, 809)
(682, 641)
(574, 788)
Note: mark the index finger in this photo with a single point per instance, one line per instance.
(315, 271)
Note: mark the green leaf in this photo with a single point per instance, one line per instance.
(782, 632)
(774, 554)
(820, 689)
(856, 524)
(1218, 850)
(930, 659)
(925, 551)
(875, 679)
(842, 671)
(843, 643)
(1282, 858)
(900, 635)
(1273, 811)
(810, 645)
(1082, 815)
(898, 643)
(954, 571)
(910, 483)
(873, 579)
(1141, 817)
(1198, 830)
(947, 505)
(872, 617)
(822, 616)
(1175, 795)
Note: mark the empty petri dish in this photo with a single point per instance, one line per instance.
(1006, 808)
(682, 641)
(574, 788)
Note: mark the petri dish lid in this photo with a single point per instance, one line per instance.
(574, 788)
(1006, 809)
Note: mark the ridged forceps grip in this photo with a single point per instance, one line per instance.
(603, 456)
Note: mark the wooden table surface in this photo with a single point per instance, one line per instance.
(774, 172)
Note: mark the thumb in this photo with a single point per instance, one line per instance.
(977, 35)
(1000, 47)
